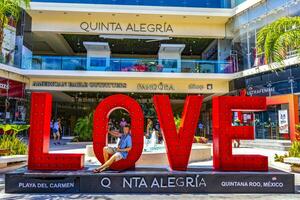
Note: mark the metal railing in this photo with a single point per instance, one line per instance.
(81, 63)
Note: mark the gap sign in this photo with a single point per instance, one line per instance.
(178, 143)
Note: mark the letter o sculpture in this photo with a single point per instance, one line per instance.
(100, 131)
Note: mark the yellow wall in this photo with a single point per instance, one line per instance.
(70, 23)
(131, 85)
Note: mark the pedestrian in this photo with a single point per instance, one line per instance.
(56, 131)
(123, 123)
(149, 128)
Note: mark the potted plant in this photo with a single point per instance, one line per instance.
(84, 128)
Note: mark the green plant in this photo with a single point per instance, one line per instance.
(177, 121)
(278, 38)
(10, 9)
(294, 151)
(14, 144)
(280, 158)
(15, 129)
(84, 128)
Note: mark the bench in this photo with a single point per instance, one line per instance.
(5, 160)
(295, 162)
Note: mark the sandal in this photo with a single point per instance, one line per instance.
(96, 171)
(102, 170)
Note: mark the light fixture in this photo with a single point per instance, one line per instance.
(134, 37)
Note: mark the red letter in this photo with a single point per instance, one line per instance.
(224, 133)
(179, 144)
(39, 158)
(101, 118)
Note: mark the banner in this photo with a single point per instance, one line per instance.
(283, 122)
(8, 46)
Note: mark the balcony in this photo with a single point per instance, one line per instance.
(81, 63)
(169, 3)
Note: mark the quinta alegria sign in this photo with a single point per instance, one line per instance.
(244, 170)
(127, 28)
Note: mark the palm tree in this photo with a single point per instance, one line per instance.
(278, 38)
(10, 9)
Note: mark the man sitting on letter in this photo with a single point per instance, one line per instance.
(116, 153)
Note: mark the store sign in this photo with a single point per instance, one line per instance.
(127, 28)
(78, 84)
(155, 87)
(258, 91)
(283, 121)
(10, 88)
(132, 85)
(4, 86)
(178, 143)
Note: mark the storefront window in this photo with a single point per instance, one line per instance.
(13, 105)
(272, 124)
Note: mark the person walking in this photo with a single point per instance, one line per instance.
(56, 131)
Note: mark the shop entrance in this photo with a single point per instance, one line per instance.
(268, 125)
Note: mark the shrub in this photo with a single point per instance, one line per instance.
(14, 144)
(13, 128)
(280, 158)
(295, 150)
(177, 121)
(84, 128)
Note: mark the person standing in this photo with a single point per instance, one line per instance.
(149, 128)
(56, 131)
(123, 123)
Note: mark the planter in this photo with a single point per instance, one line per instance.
(295, 169)
(295, 162)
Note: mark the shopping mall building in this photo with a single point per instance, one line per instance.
(82, 51)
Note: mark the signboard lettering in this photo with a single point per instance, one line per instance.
(129, 28)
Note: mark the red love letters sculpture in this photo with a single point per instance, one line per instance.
(39, 137)
(101, 118)
(178, 144)
(224, 133)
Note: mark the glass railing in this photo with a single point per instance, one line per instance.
(178, 3)
(82, 63)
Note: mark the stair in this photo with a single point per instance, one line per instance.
(282, 145)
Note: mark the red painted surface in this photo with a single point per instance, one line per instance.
(101, 118)
(178, 144)
(12, 88)
(39, 157)
(224, 133)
